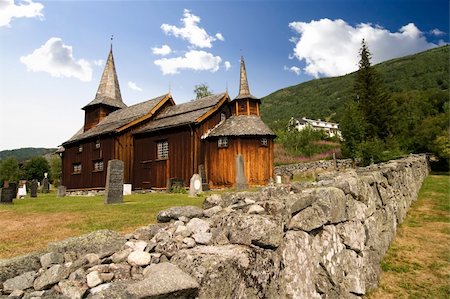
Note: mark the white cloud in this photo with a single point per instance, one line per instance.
(55, 58)
(163, 50)
(99, 62)
(330, 47)
(219, 36)
(194, 60)
(134, 86)
(437, 32)
(191, 32)
(27, 9)
(227, 65)
(293, 69)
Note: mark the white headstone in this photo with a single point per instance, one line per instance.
(127, 189)
(195, 186)
(278, 179)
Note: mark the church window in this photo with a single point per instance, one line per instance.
(97, 143)
(77, 168)
(222, 142)
(163, 149)
(98, 165)
(264, 142)
(223, 117)
(80, 148)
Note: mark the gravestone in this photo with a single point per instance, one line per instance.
(114, 182)
(174, 184)
(202, 173)
(9, 191)
(34, 188)
(61, 191)
(195, 186)
(45, 184)
(127, 189)
(22, 191)
(241, 180)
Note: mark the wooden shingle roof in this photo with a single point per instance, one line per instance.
(244, 90)
(108, 92)
(120, 118)
(182, 114)
(241, 125)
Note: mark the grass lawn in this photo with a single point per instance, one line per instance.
(29, 224)
(417, 265)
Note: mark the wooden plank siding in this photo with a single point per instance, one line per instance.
(88, 178)
(258, 161)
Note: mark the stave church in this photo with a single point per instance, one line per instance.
(159, 140)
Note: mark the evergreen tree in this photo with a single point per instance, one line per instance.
(9, 170)
(372, 100)
(35, 168)
(353, 130)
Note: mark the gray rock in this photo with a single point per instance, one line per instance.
(182, 230)
(16, 294)
(255, 209)
(121, 271)
(93, 279)
(176, 212)
(189, 242)
(164, 280)
(78, 275)
(299, 201)
(308, 219)
(72, 289)
(99, 242)
(51, 258)
(212, 211)
(15, 266)
(50, 277)
(197, 225)
(20, 282)
(202, 238)
(263, 231)
(148, 232)
(136, 245)
(121, 255)
(91, 259)
(139, 258)
(212, 201)
(353, 235)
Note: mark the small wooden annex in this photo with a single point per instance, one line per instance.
(158, 140)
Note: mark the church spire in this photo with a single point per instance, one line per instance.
(244, 90)
(108, 92)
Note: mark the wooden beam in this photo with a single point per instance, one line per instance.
(248, 107)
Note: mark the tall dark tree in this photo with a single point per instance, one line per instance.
(353, 129)
(35, 168)
(371, 98)
(9, 170)
(202, 90)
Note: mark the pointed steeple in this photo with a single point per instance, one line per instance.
(108, 92)
(244, 90)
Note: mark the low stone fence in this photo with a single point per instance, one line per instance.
(315, 166)
(303, 240)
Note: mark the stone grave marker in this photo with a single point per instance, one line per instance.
(241, 180)
(34, 188)
(195, 186)
(114, 182)
(22, 191)
(45, 184)
(202, 173)
(8, 193)
(127, 189)
(61, 191)
(173, 184)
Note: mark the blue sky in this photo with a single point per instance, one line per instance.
(52, 53)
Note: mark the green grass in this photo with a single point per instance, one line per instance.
(29, 224)
(417, 265)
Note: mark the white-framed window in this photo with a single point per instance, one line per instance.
(97, 143)
(223, 117)
(264, 141)
(80, 148)
(77, 168)
(222, 142)
(163, 149)
(98, 165)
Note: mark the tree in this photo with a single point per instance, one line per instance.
(35, 168)
(353, 130)
(371, 97)
(55, 169)
(9, 170)
(202, 90)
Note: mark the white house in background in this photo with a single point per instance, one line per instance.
(331, 129)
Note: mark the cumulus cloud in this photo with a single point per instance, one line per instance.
(293, 69)
(191, 32)
(99, 62)
(134, 86)
(227, 65)
(193, 60)
(163, 50)
(330, 47)
(55, 58)
(27, 9)
(219, 36)
(437, 32)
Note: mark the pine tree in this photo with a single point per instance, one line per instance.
(371, 97)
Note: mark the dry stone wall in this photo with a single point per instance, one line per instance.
(313, 167)
(304, 240)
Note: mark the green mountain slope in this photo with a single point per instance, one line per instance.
(27, 153)
(324, 98)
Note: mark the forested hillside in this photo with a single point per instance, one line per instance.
(418, 75)
(23, 154)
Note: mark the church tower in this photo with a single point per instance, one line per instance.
(108, 97)
(245, 103)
